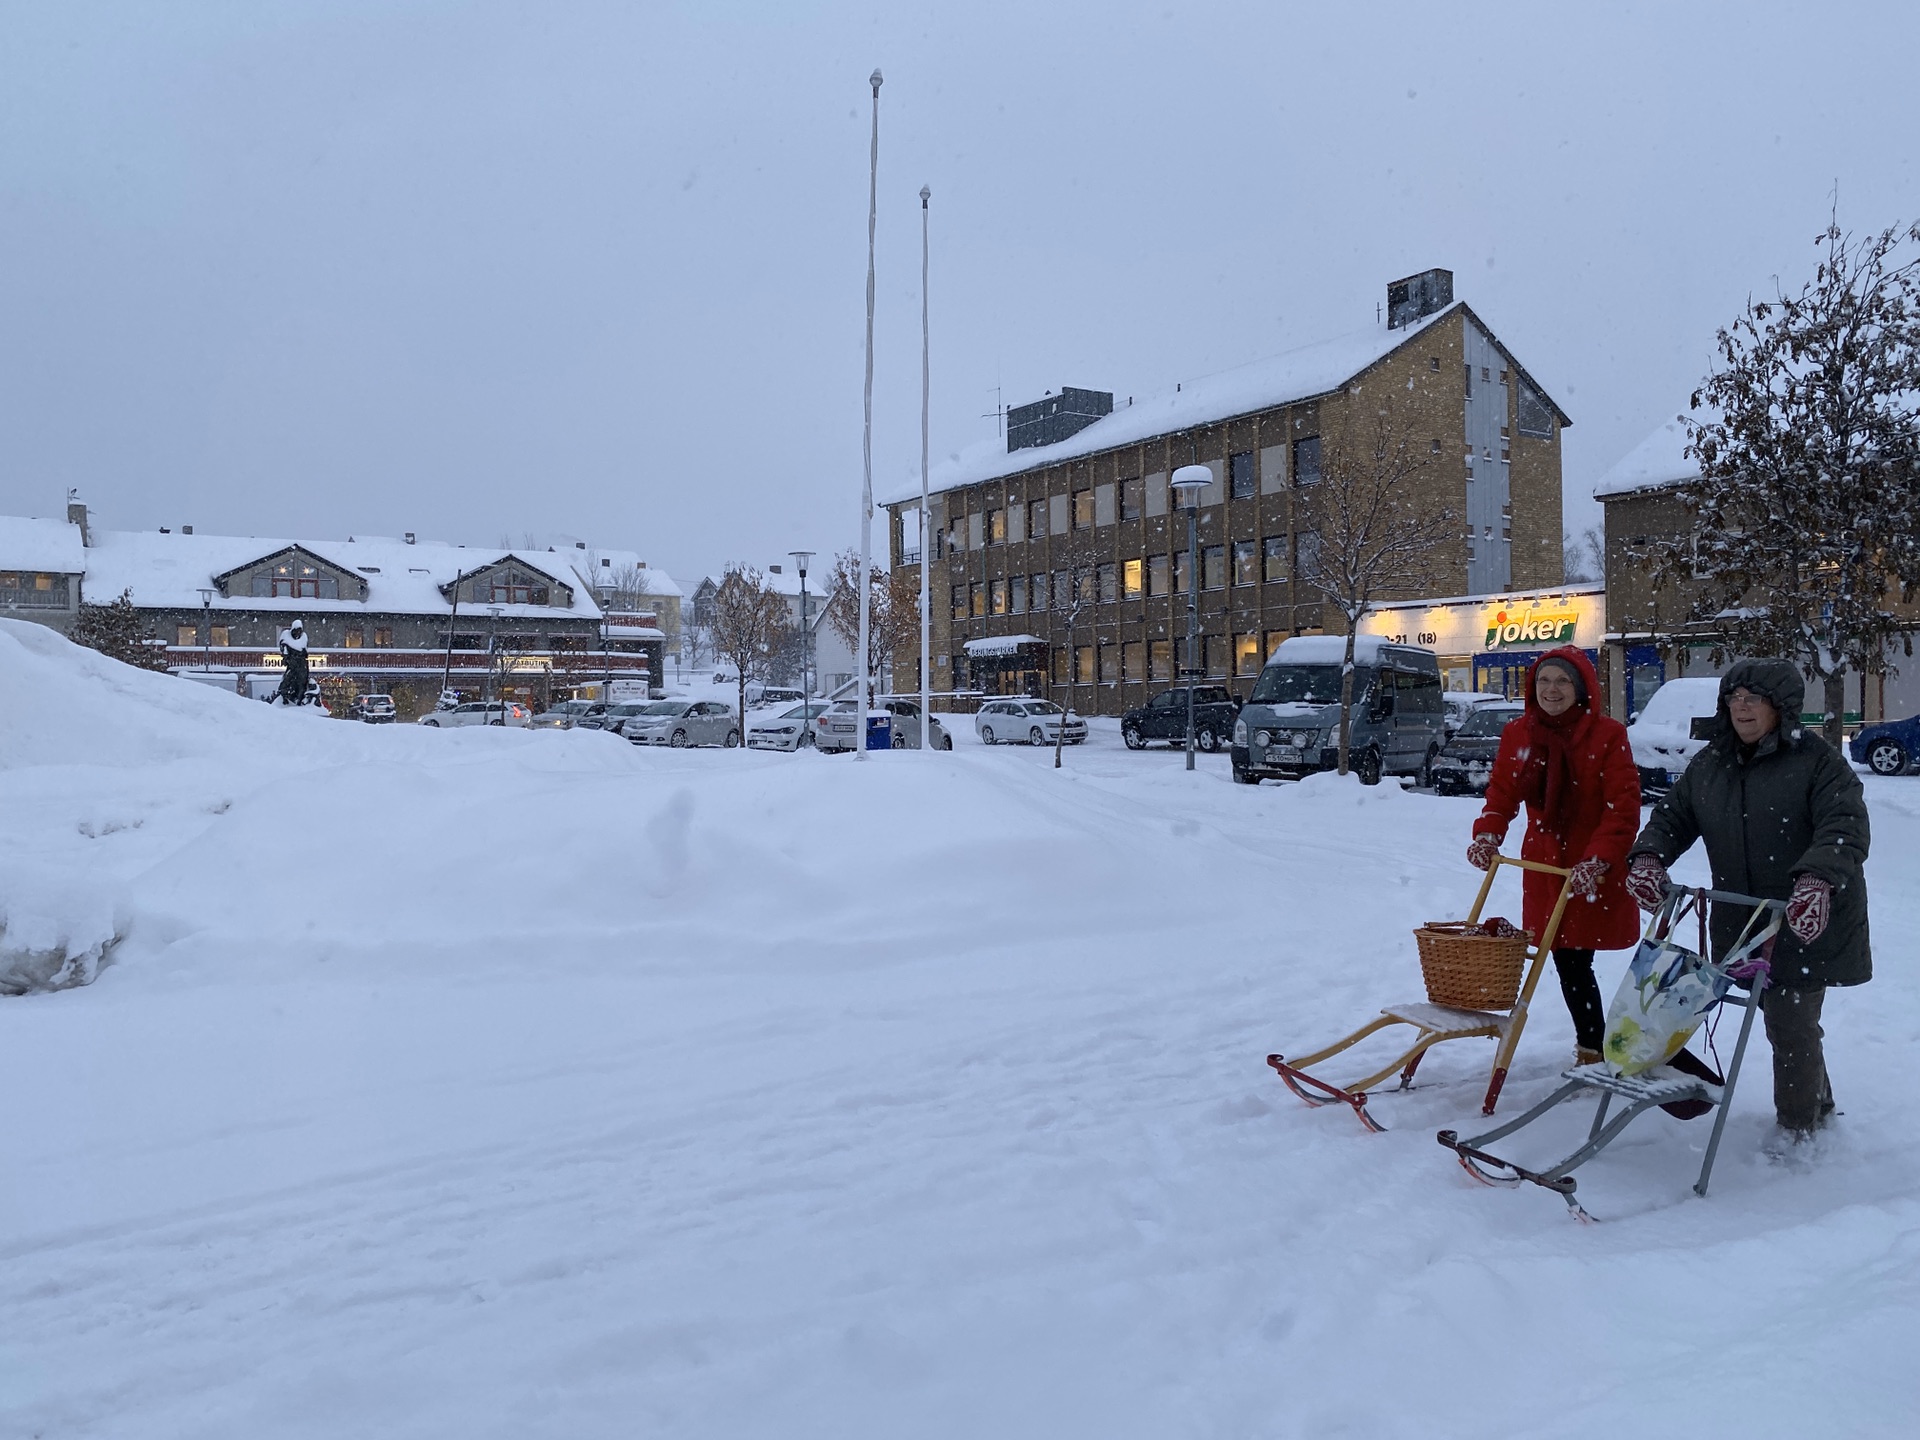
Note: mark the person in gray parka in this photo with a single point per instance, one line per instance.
(1784, 818)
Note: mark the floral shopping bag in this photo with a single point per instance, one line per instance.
(1667, 992)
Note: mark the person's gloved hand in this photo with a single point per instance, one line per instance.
(1480, 854)
(1809, 908)
(1584, 879)
(1647, 881)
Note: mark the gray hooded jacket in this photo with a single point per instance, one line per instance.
(1791, 806)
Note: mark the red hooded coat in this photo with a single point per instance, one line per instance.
(1576, 775)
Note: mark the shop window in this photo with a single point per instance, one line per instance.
(1213, 567)
(356, 638)
(1273, 559)
(1109, 582)
(1246, 654)
(1246, 562)
(1133, 661)
(383, 636)
(1082, 509)
(1306, 460)
(222, 636)
(1133, 498)
(1132, 577)
(1159, 660)
(1083, 665)
(1159, 575)
(186, 634)
(1240, 475)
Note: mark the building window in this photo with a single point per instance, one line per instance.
(996, 527)
(1109, 664)
(1246, 654)
(1017, 595)
(1083, 665)
(1109, 580)
(1036, 519)
(383, 636)
(1182, 582)
(1082, 509)
(976, 600)
(1133, 498)
(1159, 660)
(186, 634)
(1132, 579)
(1306, 555)
(1433, 362)
(356, 637)
(1306, 460)
(1037, 593)
(512, 587)
(1246, 562)
(1274, 637)
(1060, 663)
(1215, 648)
(33, 590)
(1159, 575)
(1273, 558)
(1240, 474)
(1103, 504)
(959, 602)
(1089, 587)
(295, 580)
(1213, 567)
(1536, 418)
(222, 636)
(956, 537)
(997, 597)
(1133, 661)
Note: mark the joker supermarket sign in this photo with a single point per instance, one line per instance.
(1530, 629)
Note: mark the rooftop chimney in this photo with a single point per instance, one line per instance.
(77, 515)
(1413, 299)
(1049, 421)
(773, 569)
(186, 529)
(409, 537)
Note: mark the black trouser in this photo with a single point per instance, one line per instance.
(1802, 1093)
(1582, 992)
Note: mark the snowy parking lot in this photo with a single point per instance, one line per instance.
(509, 1084)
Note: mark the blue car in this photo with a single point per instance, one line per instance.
(1888, 748)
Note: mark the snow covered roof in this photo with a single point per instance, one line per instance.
(1329, 649)
(52, 546)
(1282, 379)
(787, 581)
(1001, 644)
(597, 568)
(170, 570)
(1658, 460)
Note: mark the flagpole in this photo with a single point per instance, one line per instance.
(866, 442)
(926, 539)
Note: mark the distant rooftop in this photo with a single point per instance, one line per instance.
(1657, 461)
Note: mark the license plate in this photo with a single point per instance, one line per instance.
(1285, 752)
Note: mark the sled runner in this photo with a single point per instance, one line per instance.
(1746, 960)
(1475, 990)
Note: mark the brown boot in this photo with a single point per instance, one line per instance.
(1583, 1056)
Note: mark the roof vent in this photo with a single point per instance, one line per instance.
(1418, 296)
(409, 537)
(186, 529)
(1049, 421)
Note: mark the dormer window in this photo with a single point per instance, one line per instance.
(515, 587)
(295, 580)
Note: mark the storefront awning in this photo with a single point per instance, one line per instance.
(1001, 644)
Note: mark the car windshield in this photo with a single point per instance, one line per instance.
(1490, 720)
(800, 712)
(635, 709)
(664, 707)
(571, 707)
(1041, 707)
(1301, 685)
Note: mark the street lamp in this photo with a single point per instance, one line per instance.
(800, 559)
(206, 628)
(493, 630)
(1189, 481)
(926, 548)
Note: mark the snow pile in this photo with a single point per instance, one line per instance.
(495, 1083)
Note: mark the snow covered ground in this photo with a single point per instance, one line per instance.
(496, 1084)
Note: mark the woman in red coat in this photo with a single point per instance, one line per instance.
(1573, 769)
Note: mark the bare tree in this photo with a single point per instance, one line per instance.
(1073, 592)
(1376, 539)
(749, 624)
(1807, 505)
(893, 615)
(1584, 553)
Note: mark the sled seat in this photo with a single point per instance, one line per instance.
(1447, 1023)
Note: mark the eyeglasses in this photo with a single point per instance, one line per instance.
(1746, 698)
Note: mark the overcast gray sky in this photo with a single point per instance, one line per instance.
(474, 269)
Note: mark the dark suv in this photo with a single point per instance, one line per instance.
(1164, 717)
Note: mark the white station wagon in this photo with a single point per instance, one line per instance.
(1032, 722)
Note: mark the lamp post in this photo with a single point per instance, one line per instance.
(1189, 481)
(493, 630)
(926, 545)
(800, 559)
(866, 439)
(206, 629)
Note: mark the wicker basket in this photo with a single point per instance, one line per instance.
(1470, 971)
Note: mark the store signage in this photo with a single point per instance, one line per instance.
(275, 662)
(1530, 629)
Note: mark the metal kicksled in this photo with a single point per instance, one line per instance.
(1746, 960)
(1502, 1019)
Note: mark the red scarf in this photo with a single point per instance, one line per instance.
(1554, 738)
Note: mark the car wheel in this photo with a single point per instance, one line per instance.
(946, 742)
(1131, 734)
(1367, 766)
(899, 740)
(1425, 778)
(431, 724)
(986, 734)
(496, 722)
(732, 742)
(1207, 740)
(1036, 736)
(1886, 757)
(679, 740)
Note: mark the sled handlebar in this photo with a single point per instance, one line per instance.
(1725, 897)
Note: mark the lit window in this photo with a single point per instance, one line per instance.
(1246, 562)
(1082, 509)
(1273, 551)
(1132, 575)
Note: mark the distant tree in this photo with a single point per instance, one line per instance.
(893, 614)
(1806, 508)
(119, 631)
(749, 623)
(1585, 555)
(1072, 594)
(1376, 538)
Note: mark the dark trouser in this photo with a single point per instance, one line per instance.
(1802, 1093)
(1582, 993)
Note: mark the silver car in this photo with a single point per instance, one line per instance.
(568, 714)
(681, 723)
(1034, 722)
(478, 712)
(839, 727)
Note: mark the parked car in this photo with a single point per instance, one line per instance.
(1290, 725)
(1466, 761)
(375, 709)
(619, 719)
(1462, 703)
(479, 712)
(1034, 722)
(1667, 733)
(836, 729)
(1888, 748)
(762, 697)
(681, 723)
(906, 726)
(569, 714)
(786, 728)
(1164, 717)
